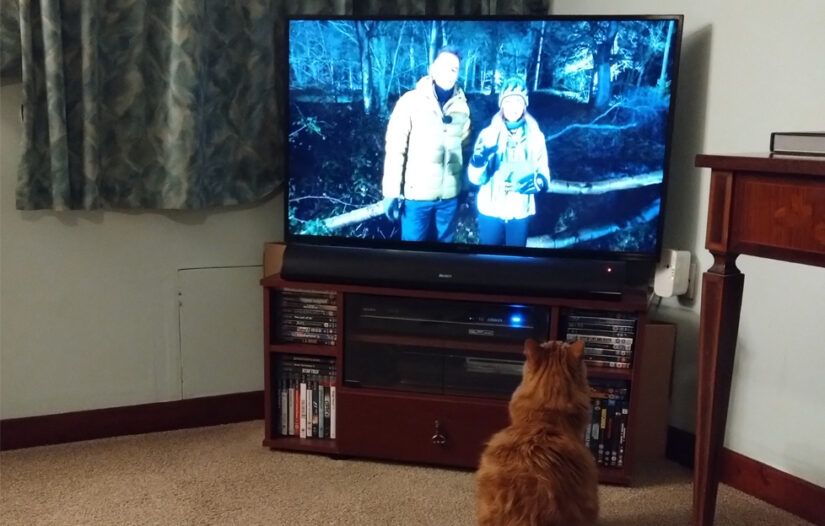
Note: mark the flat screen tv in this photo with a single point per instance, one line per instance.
(527, 152)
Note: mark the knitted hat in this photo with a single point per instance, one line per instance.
(513, 87)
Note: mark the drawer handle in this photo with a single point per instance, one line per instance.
(438, 437)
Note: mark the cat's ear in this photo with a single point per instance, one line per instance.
(531, 348)
(576, 351)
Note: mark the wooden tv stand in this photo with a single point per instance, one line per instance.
(407, 418)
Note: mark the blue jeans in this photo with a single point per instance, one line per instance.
(495, 231)
(419, 217)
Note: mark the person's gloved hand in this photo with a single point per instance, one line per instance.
(392, 208)
(486, 148)
(531, 183)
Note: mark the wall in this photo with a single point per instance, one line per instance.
(89, 306)
(88, 316)
(748, 68)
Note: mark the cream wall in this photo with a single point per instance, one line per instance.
(749, 67)
(89, 306)
(88, 313)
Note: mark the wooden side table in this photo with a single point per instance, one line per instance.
(763, 205)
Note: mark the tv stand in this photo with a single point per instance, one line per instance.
(425, 376)
(491, 273)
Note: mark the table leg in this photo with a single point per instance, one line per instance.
(722, 287)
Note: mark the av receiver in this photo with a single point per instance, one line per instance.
(506, 322)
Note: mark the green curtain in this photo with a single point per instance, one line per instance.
(159, 104)
(9, 42)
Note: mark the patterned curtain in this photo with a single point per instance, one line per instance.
(9, 42)
(158, 104)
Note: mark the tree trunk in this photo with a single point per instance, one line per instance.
(433, 41)
(603, 60)
(538, 56)
(366, 65)
(382, 79)
(663, 75)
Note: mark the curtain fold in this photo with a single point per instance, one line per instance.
(10, 51)
(147, 104)
(159, 104)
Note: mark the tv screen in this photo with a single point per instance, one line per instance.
(538, 137)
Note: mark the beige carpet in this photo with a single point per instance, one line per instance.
(222, 475)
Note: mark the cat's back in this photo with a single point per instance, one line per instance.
(542, 448)
(540, 472)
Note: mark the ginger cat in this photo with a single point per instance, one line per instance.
(537, 471)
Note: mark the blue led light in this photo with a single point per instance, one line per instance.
(516, 319)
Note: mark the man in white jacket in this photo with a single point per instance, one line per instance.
(424, 160)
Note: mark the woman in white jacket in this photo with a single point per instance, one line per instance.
(510, 165)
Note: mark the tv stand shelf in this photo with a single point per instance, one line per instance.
(421, 385)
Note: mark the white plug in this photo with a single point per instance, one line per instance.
(672, 273)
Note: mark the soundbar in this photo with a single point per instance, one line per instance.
(502, 274)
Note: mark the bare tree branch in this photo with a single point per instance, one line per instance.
(617, 182)
(565, 239)
(355, 216)
(593, 124)
(343, 28)
(556, 187)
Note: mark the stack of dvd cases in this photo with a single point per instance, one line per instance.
(306, 396)
(607, 432)
(607, 336)
(307, 316)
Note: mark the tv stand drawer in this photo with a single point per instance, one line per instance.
(422, 429)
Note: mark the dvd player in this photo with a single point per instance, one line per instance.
(447, 318)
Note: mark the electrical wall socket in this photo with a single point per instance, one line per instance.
(672, 273)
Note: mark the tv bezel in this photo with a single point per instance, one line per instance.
(641, 259)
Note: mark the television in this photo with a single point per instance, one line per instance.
(404, 166)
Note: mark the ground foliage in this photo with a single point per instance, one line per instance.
(338, 162)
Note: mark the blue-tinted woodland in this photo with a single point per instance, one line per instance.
(600, 89)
